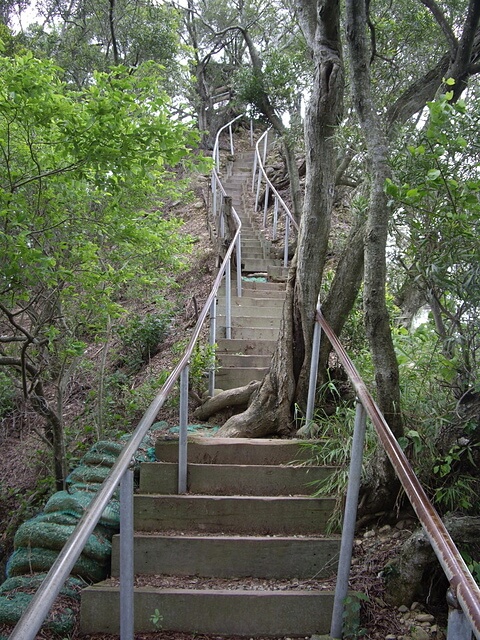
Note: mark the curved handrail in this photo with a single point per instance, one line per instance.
(38, 608)
(278, 200)
(217, 188)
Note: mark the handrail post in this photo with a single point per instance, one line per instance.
(458, 626)
(312, 383)
(275, 219)
(238, 250)
(127, 556)
(254, 174)
(265, 205)
(259, 184)
(232, 150)
(228, 300)
(212, 341)
(349, 521)
(287, 240)
(182, 436)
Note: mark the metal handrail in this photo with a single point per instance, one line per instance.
(41, 603)
(463, 586)
(259, 162)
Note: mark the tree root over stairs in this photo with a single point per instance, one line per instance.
(238, 398)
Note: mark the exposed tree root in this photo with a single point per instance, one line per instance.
(239, 398)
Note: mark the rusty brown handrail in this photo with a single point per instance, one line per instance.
(462, 584)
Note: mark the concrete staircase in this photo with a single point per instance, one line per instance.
(242, 553)
(256, 315)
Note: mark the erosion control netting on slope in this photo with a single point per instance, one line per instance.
(39, 540)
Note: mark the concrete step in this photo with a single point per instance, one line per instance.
(274, 310)
(250, 613)
(253, 285)
(243, 451)
(246, 347)
(252, 515)
(262, 557)
(233, 479)
(262, 266)
(254, 322)
(277, 272)
(257, 333)
(243, 360)
(231, 378)
(246, 301)
(277, 294)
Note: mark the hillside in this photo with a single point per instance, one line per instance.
(24, 484)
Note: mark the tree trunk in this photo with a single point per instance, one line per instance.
(377, 319)
(343, 291)
(381, 491)
(286, 385)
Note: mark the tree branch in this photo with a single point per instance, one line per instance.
(439, 16)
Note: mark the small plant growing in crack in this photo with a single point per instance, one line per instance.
(156, 619)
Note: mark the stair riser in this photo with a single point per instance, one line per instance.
(250, 322)
(263, 286)
(260, 266)
(247, 301)
(203, 612)
(265, 347)
(239, 514)
(216, 479)
(243, 451)
(275, 311)
(232, 557)
(230, 360)
(241, 333)
(232, 378)
(252, 294)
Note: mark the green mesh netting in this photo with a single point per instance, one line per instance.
(39, 540)
(31, 560)
(76, 503)
(49, 535)
(16, 593)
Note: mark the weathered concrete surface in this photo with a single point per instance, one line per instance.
(230, 479)
(225, 612)
(285, 515)
(233, 556)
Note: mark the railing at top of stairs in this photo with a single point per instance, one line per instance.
(121, 472)
(279, 207)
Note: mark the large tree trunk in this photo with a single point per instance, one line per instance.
(271, 410)
(377, 319)
(383, 488)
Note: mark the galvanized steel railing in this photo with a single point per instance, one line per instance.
(279, 206)
(121, 472)
(464, 593)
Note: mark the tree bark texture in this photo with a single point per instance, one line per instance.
(286, 385)
(377, 321)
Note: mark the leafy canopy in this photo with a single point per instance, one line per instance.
(82, 179)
